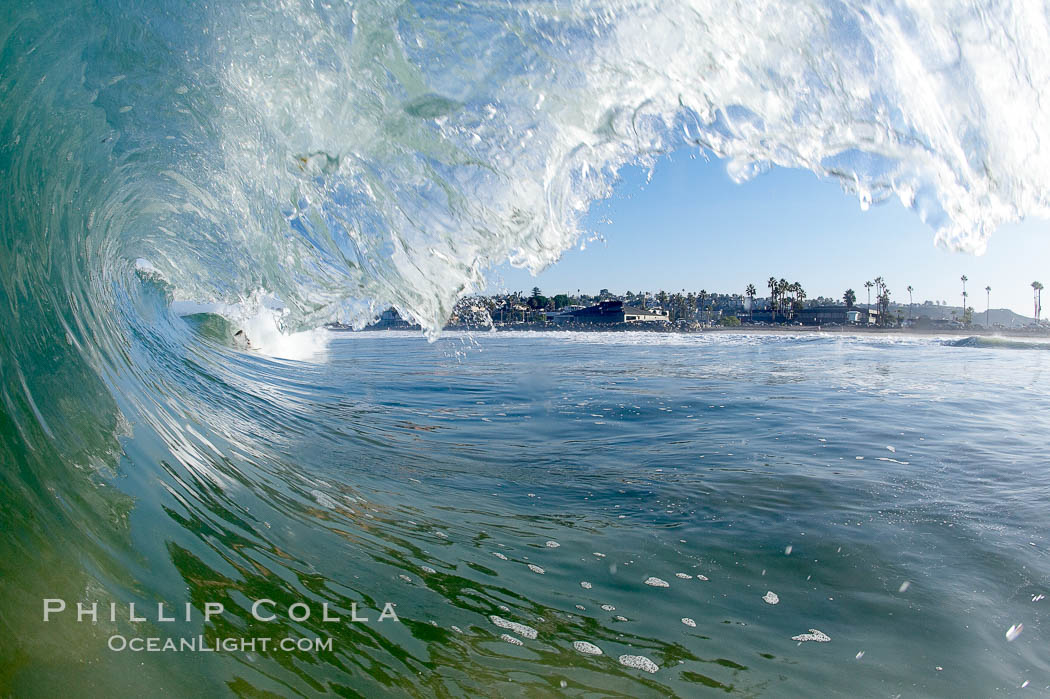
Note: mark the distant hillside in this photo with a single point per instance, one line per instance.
(997, 316)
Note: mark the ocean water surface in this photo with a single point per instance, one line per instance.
(517, 493)
(716, 513)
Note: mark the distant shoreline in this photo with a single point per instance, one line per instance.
(737, 330)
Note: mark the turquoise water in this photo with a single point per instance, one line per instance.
(289, 164)
(433, 475)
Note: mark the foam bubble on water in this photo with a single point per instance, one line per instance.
(702, 578)
(599, 554)
(1014, 631)
(639, 662)
(586, 585)
(771, 598)
(891, 449)
(520, 629)
(536, 569)
(688, 622)
(586, 648)
(511, 640)
(1038, 598)
(581, 607)
(552, 544)
(860, 654)
(499, 555)
(405, 578)
(683, 576)
(456, 629)
(904, 586)
(619, 617)
(608, 608)
(814, 635)
(427, 569)
(788, 549)
(656, 582)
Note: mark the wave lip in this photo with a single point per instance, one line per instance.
(349, 159)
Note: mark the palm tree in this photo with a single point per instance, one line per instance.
(703, 297)
(751, 301)
(772, 284)
(1038, 288)
(868, 285)
(782, 290)
(800, 295)
(850, 298)
(964, 279)
(988, 308)
(911, 313)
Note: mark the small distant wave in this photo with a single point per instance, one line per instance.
(998, 343)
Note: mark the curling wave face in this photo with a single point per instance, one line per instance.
(347, 158)
(344, 158)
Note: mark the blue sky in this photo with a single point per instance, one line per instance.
(692, 227)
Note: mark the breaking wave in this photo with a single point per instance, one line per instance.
(345, 158)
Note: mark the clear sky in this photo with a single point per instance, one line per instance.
(692, 227)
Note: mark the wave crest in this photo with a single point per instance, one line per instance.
(350, 158)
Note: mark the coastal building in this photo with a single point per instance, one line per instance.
(563, 315)
(608, 312)
(836, 315)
